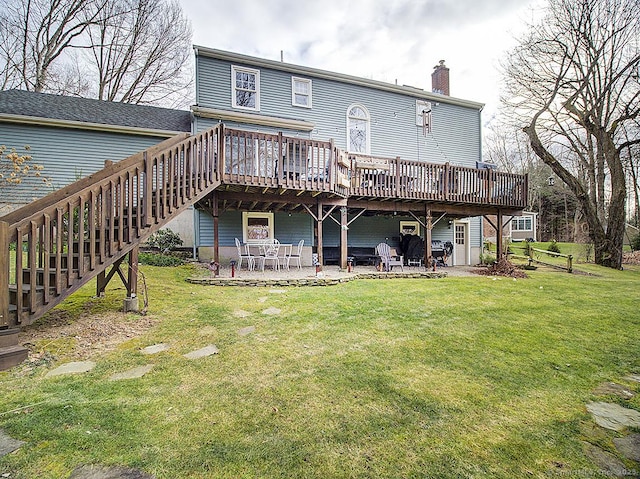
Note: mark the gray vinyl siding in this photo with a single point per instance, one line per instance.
(66, 154)
(287, 229)
(455, 135)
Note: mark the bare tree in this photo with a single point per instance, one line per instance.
(572, 85)
(38, 33)
(140, 49)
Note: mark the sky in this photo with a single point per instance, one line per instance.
(386, 40)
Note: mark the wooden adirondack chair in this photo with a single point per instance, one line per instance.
(389, 257)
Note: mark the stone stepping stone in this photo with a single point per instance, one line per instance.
(635, 378)
(76, 367)
(241, 313)
(614, 417)
(246, 330)
(629, 446)
(272, 311)
(613, 389)
(209, 350)
(262, 299)
(103, 472)
(8, 444)
(610, 465)
(134, 373)
(277, 291)
(155, 348)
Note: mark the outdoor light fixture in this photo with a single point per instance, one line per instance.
(551, 180)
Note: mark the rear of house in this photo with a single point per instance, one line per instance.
(363, 117)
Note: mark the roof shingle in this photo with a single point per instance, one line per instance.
(44, 105)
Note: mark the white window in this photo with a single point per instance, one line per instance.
(245, 88)
(301, 92)
(257, 227)
(423, 115)
(358, 129)
(522, 223)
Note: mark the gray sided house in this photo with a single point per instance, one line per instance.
(269, 151)
(378, 125)
(74, 137)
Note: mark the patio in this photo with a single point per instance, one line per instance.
(306, 276)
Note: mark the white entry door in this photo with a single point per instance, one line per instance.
(460, 244)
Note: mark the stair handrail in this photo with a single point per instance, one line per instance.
(22, 214)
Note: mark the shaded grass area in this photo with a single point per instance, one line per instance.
(455, 378)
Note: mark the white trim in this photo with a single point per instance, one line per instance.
(81, 125)
(241, 117)
(316, 73)
(367, 145)
(252, 71)
(308, 95)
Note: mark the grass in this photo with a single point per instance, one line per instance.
(455, 378)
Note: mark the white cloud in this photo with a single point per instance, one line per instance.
(385, 40)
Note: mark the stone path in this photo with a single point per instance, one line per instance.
(103, 472)
(613, 417)
(8, 444)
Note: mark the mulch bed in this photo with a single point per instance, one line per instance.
(502, 267)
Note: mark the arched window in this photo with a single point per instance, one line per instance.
(358, 129)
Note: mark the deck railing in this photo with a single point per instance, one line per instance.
(278, 161)
(397, 178)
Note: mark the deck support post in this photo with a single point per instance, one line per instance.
(4, 274)
(499, 227)
(216, 232)
(131, 301)
(427, 239)
(344, 227)
(319, 219)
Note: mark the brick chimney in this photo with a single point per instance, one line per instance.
(440, 79)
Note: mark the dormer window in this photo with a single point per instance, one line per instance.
(245, 88)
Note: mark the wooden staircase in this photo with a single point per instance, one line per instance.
(55, 245)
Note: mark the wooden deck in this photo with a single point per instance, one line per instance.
(278, 164)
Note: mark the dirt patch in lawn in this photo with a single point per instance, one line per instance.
(84, 337)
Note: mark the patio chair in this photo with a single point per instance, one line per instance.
(297, 256)
(285, 254)
(251, 259)
(269, 252)
(389, 257)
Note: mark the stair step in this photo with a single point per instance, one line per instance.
(11, 356)
(9, 337)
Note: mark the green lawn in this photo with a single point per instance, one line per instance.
(455, 378)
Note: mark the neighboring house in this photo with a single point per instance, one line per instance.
(385, 129)
(522, 227)
(74, 137)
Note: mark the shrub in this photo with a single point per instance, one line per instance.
(164, 240)
(154, 259)
(487, 258)
(635, 243)
(553, 247)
